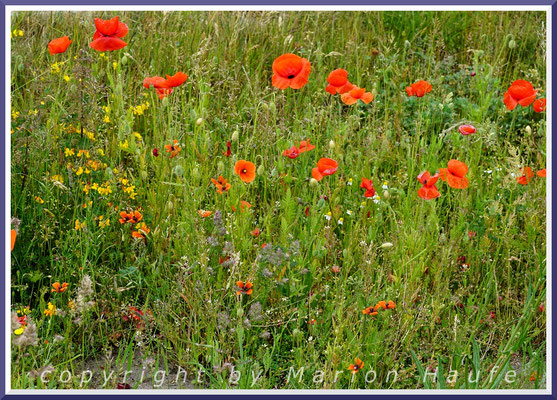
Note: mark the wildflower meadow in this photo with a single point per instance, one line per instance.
(278, 200)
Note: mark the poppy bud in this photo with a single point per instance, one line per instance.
(386, 194)
(144, 175)
(178, 170)
(240, 312)
(261, 170)
(156, 152)
(220, 166)
(331, 144)
(124, 60)
(512, 44)
(165, 101)
(473, 73)
(272, 107)
(235, 135)
(313, 182)
(169, 205)
(195, 173)
(528, 130)
(265, 106)
(199, 121)
(387, 245)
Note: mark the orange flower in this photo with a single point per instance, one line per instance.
(131, 217)
(325, 166)
(520, 92)
(221, 184)
(358, 365)
(385, 305)
(59, 288)
(108, 35)
(541, 173)
(467, 129)
(338, 82)
(59, 45)
(256, 232)
(245, 170)
(368, 185)
(290, 70)
(204, 213)
(13, 236)
(356, 94)
(454, 174)
(243, 205)
(419, 88)
(429, 190)
(539, 105)
(370, 311)
(141, 231)
(305, 145)
(173, 149)
(163, 86)
(527, 175)
(292, 152)
(244, 288)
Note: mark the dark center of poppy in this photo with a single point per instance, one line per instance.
(291, 76)
(244, 171)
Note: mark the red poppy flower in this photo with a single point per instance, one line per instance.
(527, 175)
(221, 184)
(419, 88)
(454, 174)
(541, 173)
(539, 105)
(108, 35)
(290, 70)
(520, 92)
(59, 45)
(244, 288)
(292, 152)
(467, 129)
(243, 205)
(429, 190)
(59, 288)
(204, 213)
(325, 166)
(338, 82)
(245, 170)
(368, 185)
(385, 305)
(256, 232)
(173, 148)
(356, 94)
(370, 311)
(13, 236)
(358, 365)
(305, 145)
(163, 86)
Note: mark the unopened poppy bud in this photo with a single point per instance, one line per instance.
(235, 135)
(144, 175)
(165, 101)
(528, 130)
(512, 44)
(220, 166)
(265, 106)
(261, 170)
(195, 173)
(240, 312)
(199, 121)
(331, 144)
(386, 194)
(169, 205)
(178, 170)
(313, 182)
(124, 60)
(387, 245)
(272, 107)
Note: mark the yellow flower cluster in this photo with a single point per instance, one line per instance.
(140, 109)
(16, 33)
(129, 189)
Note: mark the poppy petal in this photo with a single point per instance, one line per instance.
(107, 27)
(106, 43)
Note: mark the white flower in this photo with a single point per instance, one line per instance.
(340, 221)
(349, 183)
(328, 216)
(349, 212)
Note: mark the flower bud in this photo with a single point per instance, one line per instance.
(165, 101)
(178, 170)
(331, 144)
(235, 135)
(261, 170)
(272, 107)
(313, 182)
(124, 60)
(169, 205)
(144, 175)
(386, 194)
(387, 245)
(512, 44)
(220, 166)
(199, 121)
(528, 130)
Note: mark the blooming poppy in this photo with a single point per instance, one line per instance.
(244, 288)
(204, 213)
(419, 88)
(243, 205)
(292, 152)
(385, 305)
(290, 70)
(173, 149)
(256, 232)
(325, 166)
(131, 217)
(59, 288)
(356, 94)
(163, 86)
(338, 82)
(13, 236)
(541, 173)
(358, 365)
(454, 174)
(429, 190)
(305, 145)
(539, 105)
(228, 149)
(108, 35)
(245, 170)
(370, 311)
(367, 184)
(141, 231)
(59, 45)
(520, 92)
(221, 184)
(467, 129)
(526, 177)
